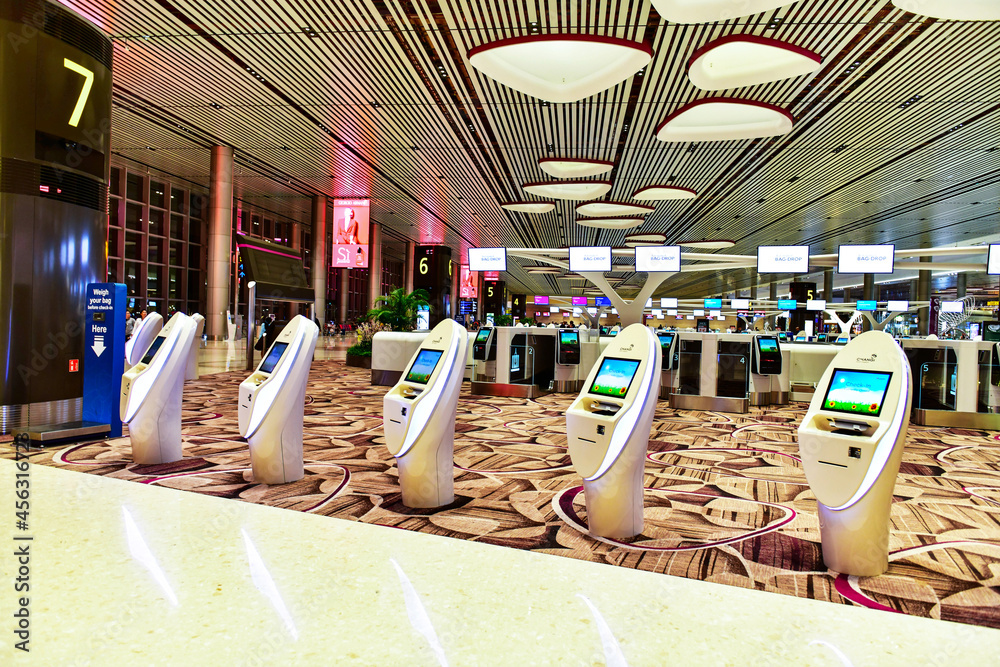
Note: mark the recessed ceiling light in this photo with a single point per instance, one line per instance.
(956, 10)
(574, 167)
(561, 67)
(663, 192)
(710, 11)
(610, 223)
(528, 206)
(612, 208)
(736, 61)
(724, 119)
(572, 190)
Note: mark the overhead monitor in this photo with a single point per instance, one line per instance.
(590, 259)
(672, 312)
(657, 313)
(579, 301)
(267, 366)
(713, 304)
(602, 301)
(816, 304)
(487, 259)
(662, 258)
(897, 306)
(578, 311)
(740, 304)
(614, 311)
(699, 313)
(491, 275)
(691, 317)
(783, 259)
(993, 260)
(866, 258)
(668, 302)
(787, 304)
(423, 366)
(553, 309)
(717, 314)
(952, 306)
(350, 233)
(151, 352)
(857, 392)
(592, 311)
(470, 282)
(867, 306)
(614, 377)
(541, 300)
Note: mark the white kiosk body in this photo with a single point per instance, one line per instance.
(192, 367)
(142, 337)
(419, 417)
(851, 443)
(151, 394)
(568, 357)
(272, 404)
(668, 367)
(608, 427)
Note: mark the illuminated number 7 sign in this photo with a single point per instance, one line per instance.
(88, 82)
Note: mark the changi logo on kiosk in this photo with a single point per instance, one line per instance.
(868, 360)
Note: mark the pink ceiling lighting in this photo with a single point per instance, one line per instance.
(710, 11)
(572, 190)
(574, 168)
(736, 61)
(663, 193)
(724, 119)
(560, 68)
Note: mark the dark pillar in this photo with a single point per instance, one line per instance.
(923, 294)
(828, 285)
(318, 257)
(220, 241)
(960, 283)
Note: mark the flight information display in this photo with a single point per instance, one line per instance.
(579, 301)
(157, 342)
(668, 302)
(278, 349)
(857, 392)
(897, 306)
(993, 260)
(541, 300)
(816, 304)
(713, 304)
(740, 304)
(787, 304)
(867, 306)
(488, 259)
(423, 366)
(614, 377)
(602, 301)
(952, 306)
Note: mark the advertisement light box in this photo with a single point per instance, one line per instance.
(783, 259)
(865, 258)
(583, 259)
(579, 301)
(350, 233)
(541, 300)
(488, 259)
(787, 304)
(816, 304)
(740, 304)
(867, 306)
(469, 288)
(668, 302)
(713, 304)
(664, 258)
(993, 260)
(952, 306)
(897, 306)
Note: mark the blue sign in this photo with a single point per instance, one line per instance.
(713, 304)
(787, 304)
(104, 355)
(602, 301)
(867, 305)
(467, 307)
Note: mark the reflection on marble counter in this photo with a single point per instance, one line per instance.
(124, 573)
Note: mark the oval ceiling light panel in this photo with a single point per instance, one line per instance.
(955, 10)
(710, 11)
(724, 119)
(528, 206)
(610, 223)
(560, 68)
(705, 244)
(663, 193)
(736, 61)
(571, 168)
(649, 238)
(543, 269)
(572, 190)
(612, 208)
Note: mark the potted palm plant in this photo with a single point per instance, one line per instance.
(395, 312)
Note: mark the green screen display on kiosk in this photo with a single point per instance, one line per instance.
(483, 335)
(148, 357)
(767, 343)
(614, 377)
(857, 392)
(424, 365)
(277, 350)
(666, 340)
(569, 337)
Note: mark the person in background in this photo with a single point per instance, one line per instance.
(142, 315)
(129, 324)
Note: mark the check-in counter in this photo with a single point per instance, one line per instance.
(808, 362)
(712, 372)
(525, 363)
(393, 350)
(955, 383)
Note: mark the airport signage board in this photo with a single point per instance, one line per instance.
(783, 259)
(668, 302)
(993, 260)
(350, 233)
(787, 304)
(897, 306)
(602, 301)
(661, 258)
(713, 304)
(488, 259)
(104, 354)
(740, 304)
(469, 288)
(579, 301)
(867, 306)
(866, 258)
(541, 300)
(590, 259)
(952, 306)
(816, 304)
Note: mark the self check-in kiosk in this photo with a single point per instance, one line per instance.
(192, 367)
(608, 428)
(419, 417)
(668, 345)
(272, 402)
(151, 393)
(484, 355)
(568, 356)
(143, 334)
(851, 443)
(769, 379)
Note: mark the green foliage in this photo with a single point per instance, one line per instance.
(503, 320)
(360, 350)
(398, 310)
(528, 322)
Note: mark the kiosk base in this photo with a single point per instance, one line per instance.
(758, 398)
(855, 540)
(985, 421)
(510, 390)
(614, 505)
(428, 481)
(709, 403)
(276, 456)
(156, 435)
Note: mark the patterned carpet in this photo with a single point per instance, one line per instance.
(726, 498)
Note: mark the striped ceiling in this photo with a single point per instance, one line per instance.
(896, 138)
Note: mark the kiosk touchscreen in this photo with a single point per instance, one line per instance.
(192, 367)
(484, 348)
(608, 429)
(668, 341)
(766, 355)
(851, 443)
(272, 403)
(605, 330)
(143, 334)
(568, 348)
(419, 417)
(151, 393)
